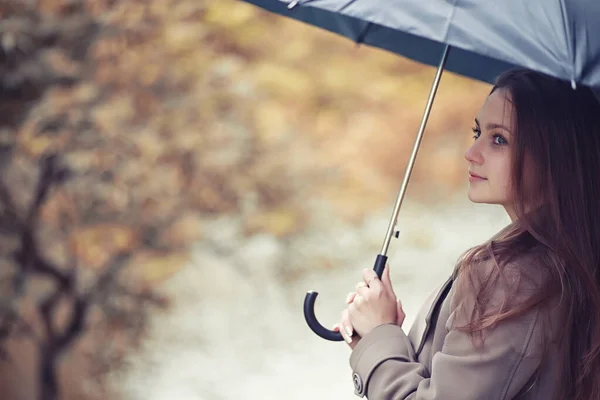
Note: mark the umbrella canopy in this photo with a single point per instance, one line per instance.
(560, 38)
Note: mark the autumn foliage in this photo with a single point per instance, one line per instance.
(125, 123)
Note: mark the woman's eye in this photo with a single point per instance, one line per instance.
(499, 140)
(477, 133)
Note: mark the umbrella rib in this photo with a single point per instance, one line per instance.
(449, 22)
(361, 37)
(565, 16)
(348, 4)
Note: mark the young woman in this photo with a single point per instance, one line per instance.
(520, 316)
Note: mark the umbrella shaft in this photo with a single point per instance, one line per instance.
(413, 156)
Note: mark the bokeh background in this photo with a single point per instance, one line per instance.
(234, 159)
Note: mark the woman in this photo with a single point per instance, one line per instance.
(520, 317)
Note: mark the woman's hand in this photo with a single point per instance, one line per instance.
(374, 303)
(347, 331)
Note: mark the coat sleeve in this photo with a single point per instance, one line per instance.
(385, 367)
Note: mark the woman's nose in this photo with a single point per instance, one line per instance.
(473, 154)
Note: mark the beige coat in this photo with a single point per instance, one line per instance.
(437, 361)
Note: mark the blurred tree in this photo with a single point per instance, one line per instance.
(109, 156)
(72, 229)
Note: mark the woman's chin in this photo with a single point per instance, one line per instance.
(477, 197)
(480, 198)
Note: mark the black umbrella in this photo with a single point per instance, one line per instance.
(475, 38)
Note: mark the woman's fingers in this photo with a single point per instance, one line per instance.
(385, 278)
(345, 327)
(400, 315)
(350, 297)
(359, 299)
(371, 279)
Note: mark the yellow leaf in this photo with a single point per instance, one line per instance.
(283, 80)
(271, 120)
(95, 245)
(229, 15)
(153, 267)
(182, 232)
(279, 222)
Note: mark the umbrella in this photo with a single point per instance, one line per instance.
(474, 38)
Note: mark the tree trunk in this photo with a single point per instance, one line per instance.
(48, 383)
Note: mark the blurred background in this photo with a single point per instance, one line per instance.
(176, 174)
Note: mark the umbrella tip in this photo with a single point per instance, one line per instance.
(292, 4)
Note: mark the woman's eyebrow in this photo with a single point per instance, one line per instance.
(492, 125)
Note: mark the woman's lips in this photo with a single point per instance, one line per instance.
(473, 177)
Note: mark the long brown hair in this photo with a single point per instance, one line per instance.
(556, 166)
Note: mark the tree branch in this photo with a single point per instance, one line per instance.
(76, 325)
(10, 215)
(51, 174)
(47, 308)
(107, 278)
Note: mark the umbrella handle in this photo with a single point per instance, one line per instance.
(309, 307)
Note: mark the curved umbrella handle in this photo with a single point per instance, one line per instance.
(311, 319)
(309, 307)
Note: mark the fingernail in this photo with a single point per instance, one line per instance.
(349, 331)
(347, 339)
(348, 298)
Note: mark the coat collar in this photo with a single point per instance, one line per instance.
(422, 325)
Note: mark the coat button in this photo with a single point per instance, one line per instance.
(358, 384)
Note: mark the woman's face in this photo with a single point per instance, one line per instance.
(489, 156)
